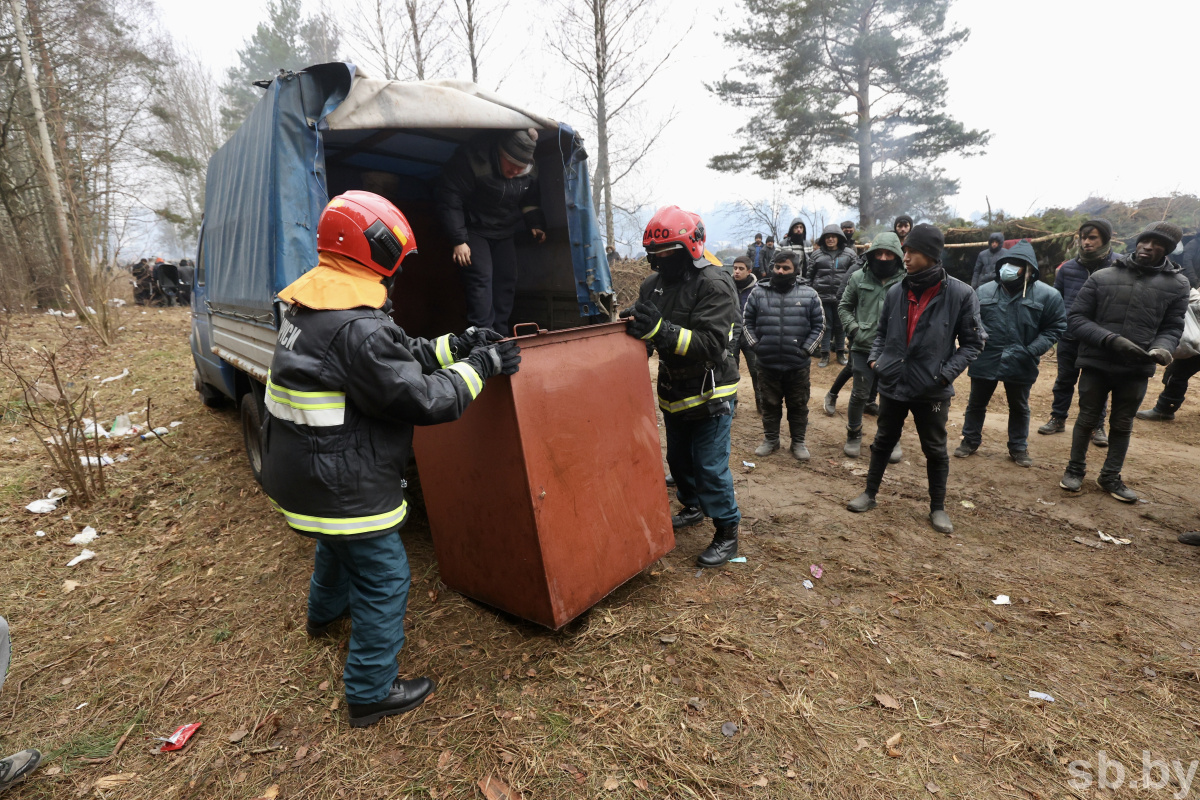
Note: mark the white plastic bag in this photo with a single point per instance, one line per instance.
(1189, 345)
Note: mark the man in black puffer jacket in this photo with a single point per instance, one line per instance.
(826, 269)
(1127, 318)
(1095, 252)
(929, 332)
(744, 281)
(783, 324)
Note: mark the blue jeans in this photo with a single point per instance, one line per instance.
(1018, 413)
(698, 455)
(369, 577)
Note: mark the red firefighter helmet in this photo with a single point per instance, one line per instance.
(367, 228)
(671, 228)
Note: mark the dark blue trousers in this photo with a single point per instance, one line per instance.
(698, 455)
(370, 577)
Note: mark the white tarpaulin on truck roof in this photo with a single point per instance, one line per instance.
(375, 104)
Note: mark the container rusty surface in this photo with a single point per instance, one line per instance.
(549, 492)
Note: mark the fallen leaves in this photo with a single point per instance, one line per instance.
(113, 781)
(862, 744)
(893, 745)
(270, 794)
(932, 787)
(238, 735)
(495, 789)
(611, 785)
(69, 586)
(887, 701)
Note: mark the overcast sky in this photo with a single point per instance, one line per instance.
(1079, 100)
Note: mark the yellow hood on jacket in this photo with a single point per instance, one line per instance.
(335, 284)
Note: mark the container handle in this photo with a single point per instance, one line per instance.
(519, 325)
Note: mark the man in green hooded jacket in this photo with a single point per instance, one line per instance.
(859, 310)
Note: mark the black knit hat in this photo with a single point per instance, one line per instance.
(902, 218)
(1102, 226)
(927, 240)
(519, 145)
(1166, 232)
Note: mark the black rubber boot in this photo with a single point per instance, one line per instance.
(723, 547)
(1156, 414)
(1191, 538)
(404, 696)
(687, 517)
(864, 502)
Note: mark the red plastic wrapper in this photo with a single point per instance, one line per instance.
(179, 738)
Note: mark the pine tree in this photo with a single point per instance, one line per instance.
(848, 97)
(286, 40)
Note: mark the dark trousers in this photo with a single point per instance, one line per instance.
(1175, 379)
(490, 282)
(1064, 383)
(369, 577)
(846, 374)
(930, 420)
(784, 386)
(1018, 413)
(861, 392)
(832, 338)
(698, 455)
(751, 365)
(1095, 386)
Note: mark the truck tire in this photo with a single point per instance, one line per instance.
(210, 395)
(252, 433)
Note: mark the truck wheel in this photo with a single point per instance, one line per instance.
(210, 395)
(252, 433)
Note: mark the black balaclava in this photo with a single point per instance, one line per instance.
(797, 238)
(672, 265)
(783, 283)
(883, 269)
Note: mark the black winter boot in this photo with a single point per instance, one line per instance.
(723, 547)
(404, 696)
(687, 517)
(853, 446)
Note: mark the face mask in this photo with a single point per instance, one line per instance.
(672, 265)
(783, 283)
(1009, 273)
(883, 269)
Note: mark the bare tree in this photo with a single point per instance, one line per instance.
(427, 37)
(379, 36)
(605, 43)
(476, 22)
(402, 39)
(768, 215)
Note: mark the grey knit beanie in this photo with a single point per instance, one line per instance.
(1166, 232)
(519, 145)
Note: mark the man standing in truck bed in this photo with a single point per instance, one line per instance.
(345, 389)
(487, 187)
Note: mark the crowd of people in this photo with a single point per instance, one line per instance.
(162, 283)
(904, 330)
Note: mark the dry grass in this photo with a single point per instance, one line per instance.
(193, 611)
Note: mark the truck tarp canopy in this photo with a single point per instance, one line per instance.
(267, 184)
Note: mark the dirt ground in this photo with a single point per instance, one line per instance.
(193, 611)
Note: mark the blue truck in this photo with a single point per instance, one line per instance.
(328, 129)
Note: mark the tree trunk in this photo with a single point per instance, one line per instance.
(472, 54)
(866, 164)
(66, 252)
(602, 186)
(414, 21)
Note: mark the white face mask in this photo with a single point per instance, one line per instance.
(1009, 273)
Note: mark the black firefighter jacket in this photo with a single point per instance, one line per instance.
(344, 392)
(472, 195)
(696, 371)
(1146, 305)
(947, 338)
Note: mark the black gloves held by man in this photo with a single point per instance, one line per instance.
(1128, 350)
(502, 358)
(471, 338)
(646, 323)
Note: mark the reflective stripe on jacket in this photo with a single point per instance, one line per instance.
(697, 373)
(343, 393)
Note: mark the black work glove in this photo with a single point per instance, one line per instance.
(495, 359)
(645, 320)
(471, 338)
(1128, 350)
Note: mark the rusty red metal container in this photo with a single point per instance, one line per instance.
(549, 492)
